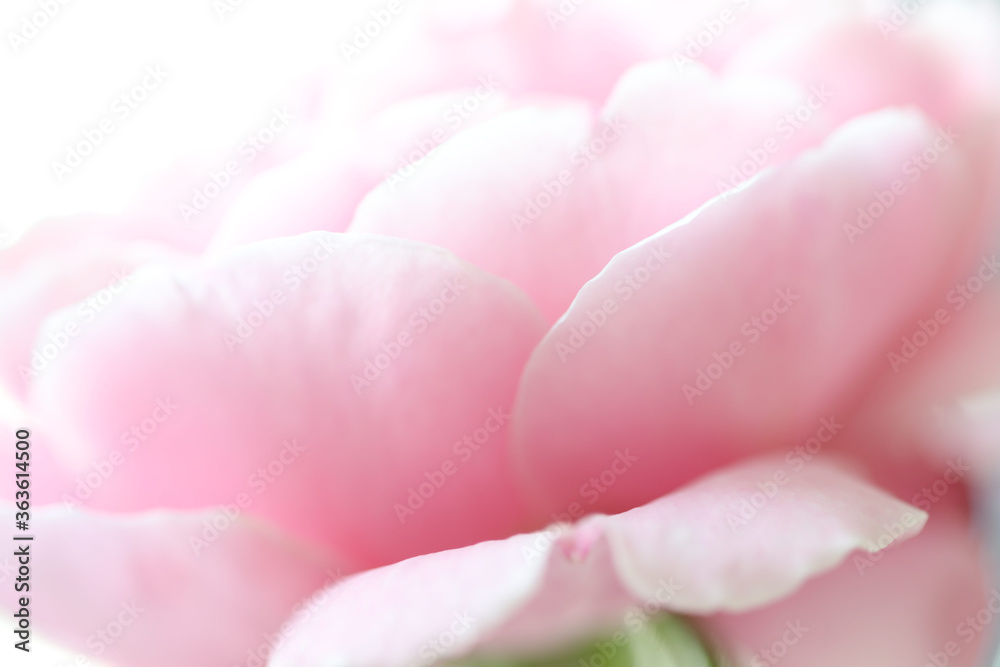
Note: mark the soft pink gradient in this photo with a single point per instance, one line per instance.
(372, 336)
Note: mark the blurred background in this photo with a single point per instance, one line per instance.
(213, 72)
(223, 64)
(183, 83)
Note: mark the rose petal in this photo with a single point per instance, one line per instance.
(98, 269)
(934, 396)
(452, 44)
(941, 64)
(534, 593)
(545, 196)
(464, 200)
(894, 609)
(246, 377)
(744, 327)
(125, 589)
(320, 190)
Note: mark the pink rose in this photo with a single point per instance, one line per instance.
(689, 308)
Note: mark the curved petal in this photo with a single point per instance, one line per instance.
(743, 327)
(495, 168)
(914, 604)
(942, 60)
(320, 190)
(548, 194)
(550, 46)
(533, 593)
(142, 589)
(935, 396)
(75, 236)
(527, 44)
(931, 385)
(188, 201)
(96, 270)
(976, 427)
(355, 388)
(965, 34)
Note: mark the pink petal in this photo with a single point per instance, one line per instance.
(77, 235)
(682, 305)
(278, 409)
(465, 198)
(449, 45)
(901, 608)
(548, 46)
(945, 359)
(320, 190)
(37, 284)
(538, 592)
(146, 589)
(189, 200)
(934, 396)
(546, 196)
(944, 63)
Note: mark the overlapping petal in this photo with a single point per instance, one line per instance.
(926, 601)
(535, 593)
(759, 316)
(355, 390)
(546, 196)
(164, 589)
(942, 58)
(319, 190)
(88, 276)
